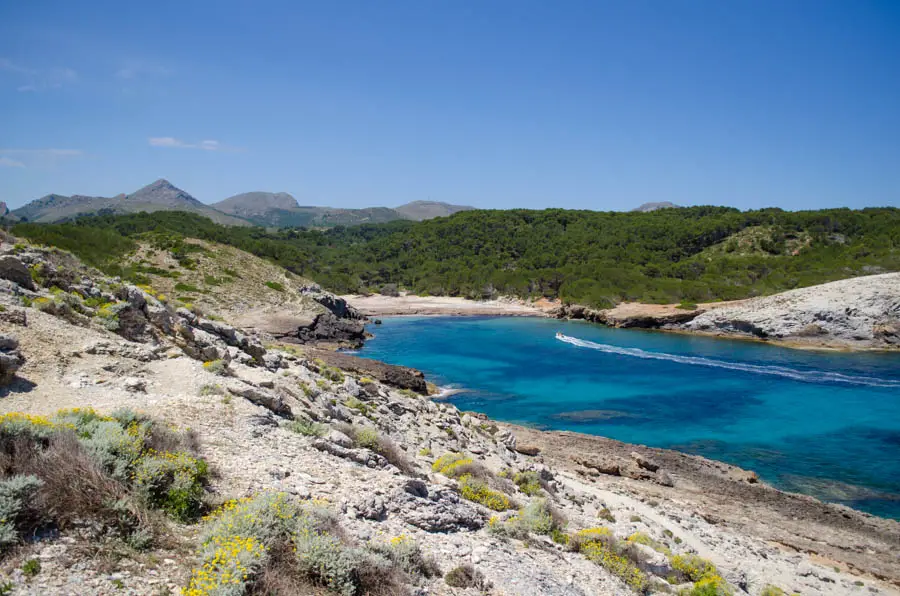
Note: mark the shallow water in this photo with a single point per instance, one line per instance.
(827, 424)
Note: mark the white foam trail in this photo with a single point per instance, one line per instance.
(811, 376)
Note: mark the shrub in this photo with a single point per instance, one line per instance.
(369, 438)
(31, 567)
(770, 590)
(599, 545)
(642, 538)
(446, 460)
(425, 451)
(477, 491)
(406, 555)
(216, 367)
(307, 428)
(359, 406)
(606, 514)
(73, 460)
(172, 482)
(16, 494)
(538, 517)
(712, 585)
(212, 389)
(183, 287)
(275, 286)
(687, 305)
(528, 482)
(366, 437)
(466, 576)
(693, 567)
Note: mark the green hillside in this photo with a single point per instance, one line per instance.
(596, 258)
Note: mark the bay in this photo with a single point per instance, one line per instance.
(821, 423)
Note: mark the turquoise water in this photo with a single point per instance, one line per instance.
(826, 424)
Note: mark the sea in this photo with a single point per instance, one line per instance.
(821, 423)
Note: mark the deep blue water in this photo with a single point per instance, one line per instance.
(827, 424)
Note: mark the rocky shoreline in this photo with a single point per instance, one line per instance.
(329, 428)
(856, 314)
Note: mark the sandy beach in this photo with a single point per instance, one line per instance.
(378, 305)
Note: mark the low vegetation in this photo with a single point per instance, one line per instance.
(79, 464)
(273, 544)
(688, 255)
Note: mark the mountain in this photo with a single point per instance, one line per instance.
(161, 195)
(422, 210)
(267, 209)
(256, 204)
(4, 210)
(654, 206)
(281, 210)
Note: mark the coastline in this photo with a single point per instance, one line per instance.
(667, 318)
(726, 496)
(378, 305)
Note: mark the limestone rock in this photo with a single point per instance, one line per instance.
(11, 359)
(15, 271)
(644, 461)
(531, 450)
(860, 312)
(433, 508)
(262, 398)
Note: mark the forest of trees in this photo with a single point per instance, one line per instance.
(597, 258)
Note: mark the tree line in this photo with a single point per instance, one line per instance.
(690, 254)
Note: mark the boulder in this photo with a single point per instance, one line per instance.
(603, 465)
(15, 271)
(11, 359)
(433, 508)
(14, 317)
(262, 398)
(339, 438)
(644, 461)
(531, 450)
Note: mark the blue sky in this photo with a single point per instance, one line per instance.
(493, 103)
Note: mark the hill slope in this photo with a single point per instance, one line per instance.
(584, 257)
(282, 210)
(157, 196)
(350, 472)
(422, 210)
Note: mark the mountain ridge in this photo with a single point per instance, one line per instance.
(262, 208)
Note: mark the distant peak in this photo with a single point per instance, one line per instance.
(654, 206)
(161, 183)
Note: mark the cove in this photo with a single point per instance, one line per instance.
(821, 423)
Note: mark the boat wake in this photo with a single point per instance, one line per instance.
(806, 376)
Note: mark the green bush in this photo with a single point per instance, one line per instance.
(528, 482)
(16, 494)
(183, 287)
(274, 285)
(31, 567)
(466, 576)
(538, 517)
(216, 367)
(478, 491)
(693, 567)
(306, 428)
(173, 482)
(601, 547)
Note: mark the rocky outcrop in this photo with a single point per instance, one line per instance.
(628, 315)
(400, 377)
(14, 270)
(862, 312)
(433, 508)
(11, 358)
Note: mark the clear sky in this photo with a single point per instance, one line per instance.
(494, 103)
